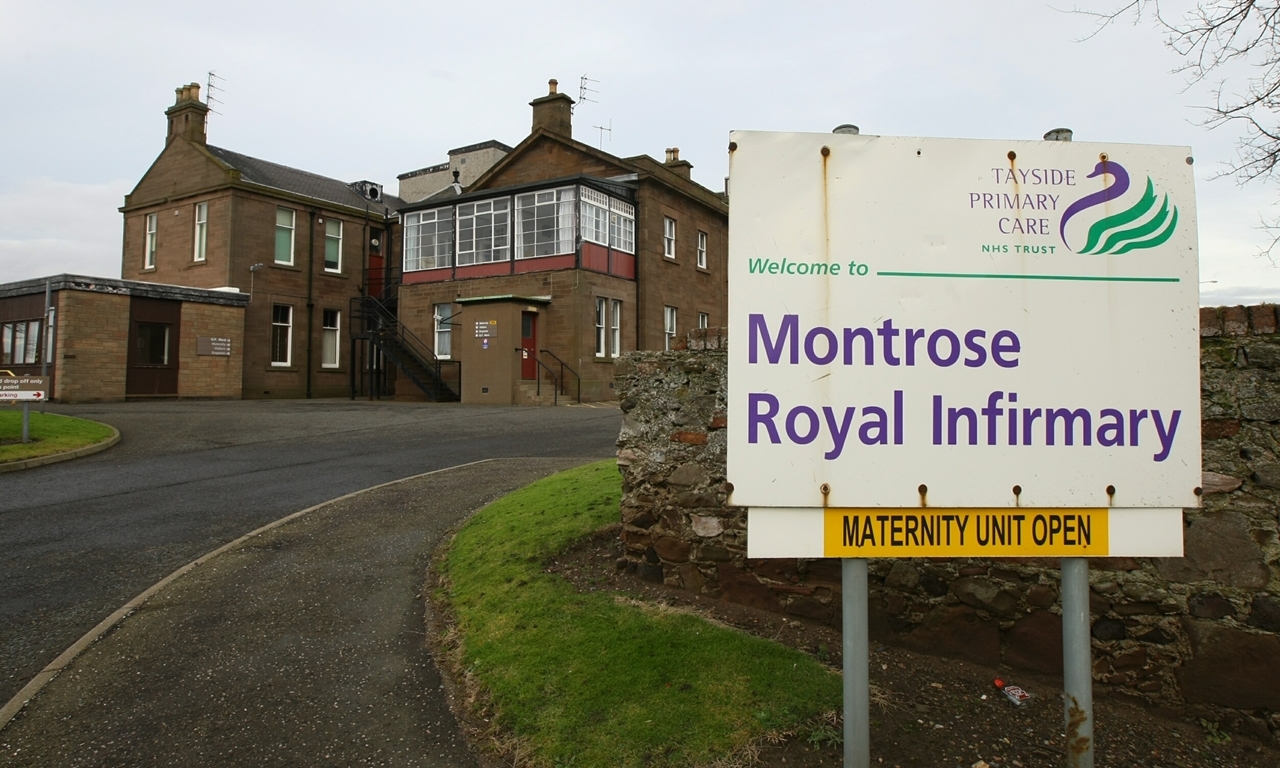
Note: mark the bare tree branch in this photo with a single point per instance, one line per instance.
(1217, 36)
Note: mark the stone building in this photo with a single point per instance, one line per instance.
(558, 258)
(106, 339)
(304, 248)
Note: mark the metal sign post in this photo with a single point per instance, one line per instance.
(1077, 662)
(970, 329)
(26, 422)
(856, 652)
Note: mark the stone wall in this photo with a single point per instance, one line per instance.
(1200, 632)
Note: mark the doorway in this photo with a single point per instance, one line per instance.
(153, 347)
(529, 343)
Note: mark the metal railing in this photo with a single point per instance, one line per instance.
(555, 391)
(439, 379)
(563, 381)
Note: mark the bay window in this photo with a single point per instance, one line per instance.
(428, 239)
(544, 223)
(484, 231)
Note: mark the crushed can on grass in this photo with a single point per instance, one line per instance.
(1015, 694)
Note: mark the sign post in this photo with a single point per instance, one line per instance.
(959, 348)
(25, 390)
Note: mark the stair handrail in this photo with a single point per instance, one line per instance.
(389, 323)
(555, 392)
(565, 367)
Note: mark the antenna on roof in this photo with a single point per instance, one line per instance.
(584, 89)
(603, 130)
(210, 87)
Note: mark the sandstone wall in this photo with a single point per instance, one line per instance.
(1200, 632)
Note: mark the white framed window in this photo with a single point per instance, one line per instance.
(602, 329)
(332, 245)
(149, 248)
(615, 328)
(202, 232)
(702, 250)
(484, 231)
(594, 212)
(668, 327)
(428, 239)
(284, 236)
(330, 340)
(622, 226)
(281, 334)
(704, 320)
(544, 223)
(443, 316)
(669, 237)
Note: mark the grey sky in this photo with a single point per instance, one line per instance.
(358, 91)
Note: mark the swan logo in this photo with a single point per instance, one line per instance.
(1148, 223)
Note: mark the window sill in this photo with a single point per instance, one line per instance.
(332, 273)
(198, 262)
(148, 269)
(282, 369)
(290, 267)
(704, 270)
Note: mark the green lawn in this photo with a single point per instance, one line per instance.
(595, 680)
(49, 434)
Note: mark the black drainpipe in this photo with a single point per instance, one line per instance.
(311, 276)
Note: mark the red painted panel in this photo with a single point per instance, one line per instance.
(624, 265)
(545, 263)
(427, 276)
(595, 257)
(484, 270)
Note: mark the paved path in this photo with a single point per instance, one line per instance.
(80, 539)
(303, 646)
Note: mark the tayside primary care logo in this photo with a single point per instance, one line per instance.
(1134, 228)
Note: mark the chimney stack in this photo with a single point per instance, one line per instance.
(187, 115)
(553, 112)
(674, 163)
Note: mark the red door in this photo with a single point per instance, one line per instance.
(529, 343)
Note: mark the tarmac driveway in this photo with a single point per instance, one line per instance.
(81, 538)
(303, 645)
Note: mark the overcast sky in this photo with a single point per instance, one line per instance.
(358, 91)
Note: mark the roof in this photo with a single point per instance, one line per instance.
(228, 297)
(490, 144)
(644, 166)
(305, 183)
(624, 187)
(438, 167)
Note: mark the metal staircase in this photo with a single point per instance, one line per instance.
(440, 380)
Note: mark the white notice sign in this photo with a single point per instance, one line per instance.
(934, 323)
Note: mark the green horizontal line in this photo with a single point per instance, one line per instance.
(1087, 278)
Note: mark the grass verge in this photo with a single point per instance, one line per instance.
(50, 434)
(594, 680)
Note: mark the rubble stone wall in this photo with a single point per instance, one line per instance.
(1198, 633)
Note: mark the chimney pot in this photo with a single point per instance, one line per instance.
(1058, 134)
(848, 129)
(553, 112)
(187, 115)
(553, 85)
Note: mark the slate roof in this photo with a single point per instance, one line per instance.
(298, 182)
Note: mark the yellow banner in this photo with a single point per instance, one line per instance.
(941, 532)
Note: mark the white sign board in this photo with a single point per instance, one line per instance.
(30, 389)
(936, 323)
